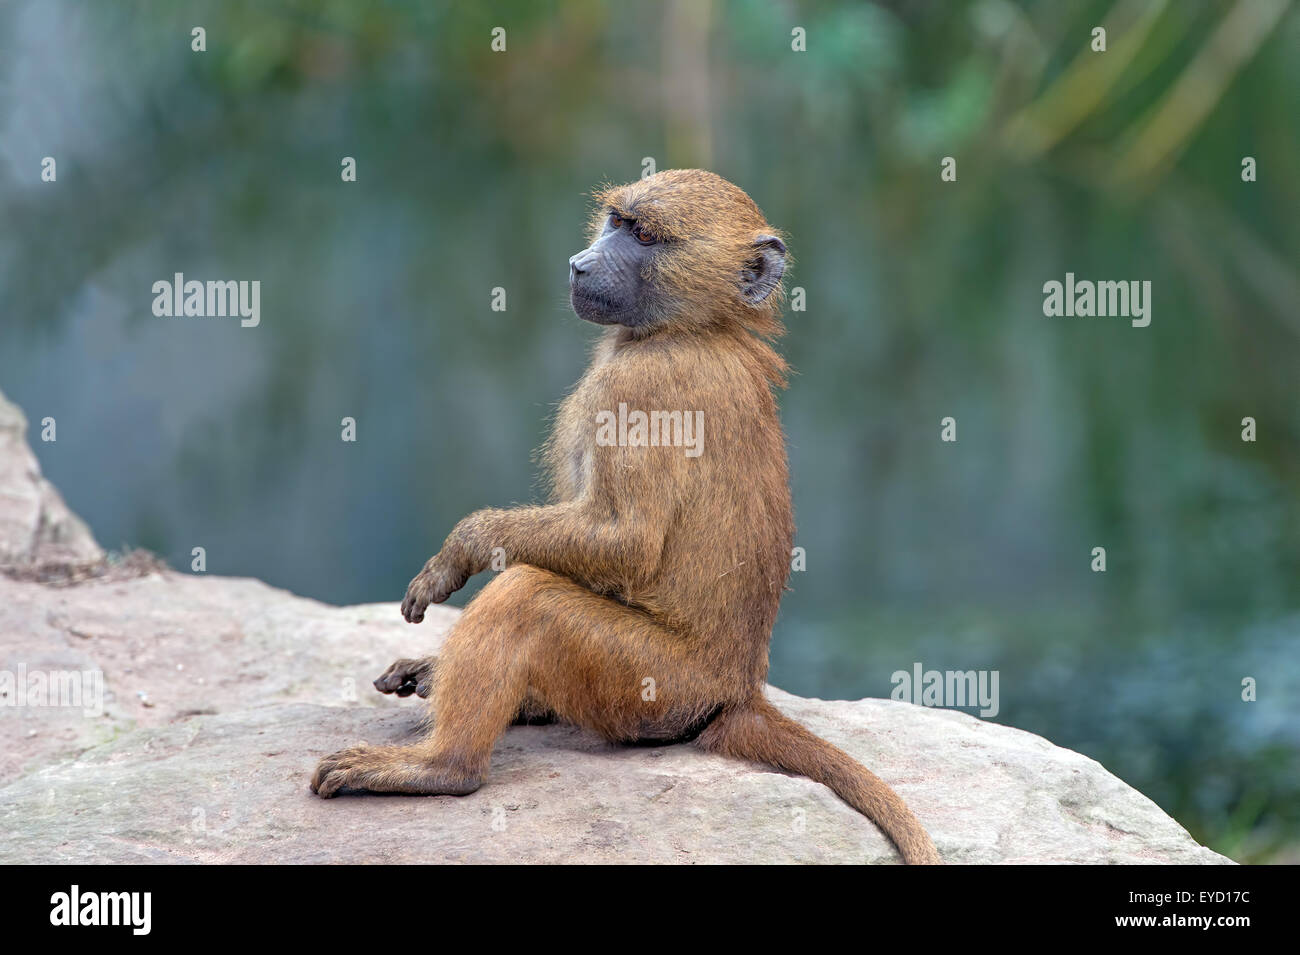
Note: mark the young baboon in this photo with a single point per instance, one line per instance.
(640, 602)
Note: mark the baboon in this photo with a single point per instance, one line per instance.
(639, 603)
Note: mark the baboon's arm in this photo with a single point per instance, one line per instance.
(580, 539)
(605, 540)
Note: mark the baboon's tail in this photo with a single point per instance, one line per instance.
(757, 731)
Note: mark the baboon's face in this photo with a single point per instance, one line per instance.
(610, 281)
(682, 245)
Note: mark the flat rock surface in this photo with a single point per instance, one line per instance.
(219, 695)
(245, 687)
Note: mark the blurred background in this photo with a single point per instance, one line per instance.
(924, 300)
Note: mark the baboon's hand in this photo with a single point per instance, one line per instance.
(442, 576)
(406, 677)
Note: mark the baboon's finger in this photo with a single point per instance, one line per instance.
(413, 609)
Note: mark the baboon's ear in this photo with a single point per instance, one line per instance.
(762, 272)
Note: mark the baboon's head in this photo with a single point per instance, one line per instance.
(682, 246)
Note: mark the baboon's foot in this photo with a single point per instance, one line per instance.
(408, 676)
(389, 769)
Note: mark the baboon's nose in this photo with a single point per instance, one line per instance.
(580, 263)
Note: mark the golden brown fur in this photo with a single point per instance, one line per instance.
(647, 564)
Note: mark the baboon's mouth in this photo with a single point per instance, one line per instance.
(595, 307)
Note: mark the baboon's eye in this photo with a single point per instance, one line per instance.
(642, 235)
(616, 221)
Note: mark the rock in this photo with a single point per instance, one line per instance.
(219, 695)
(36, 527)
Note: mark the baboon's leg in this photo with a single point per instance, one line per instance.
(536, 639)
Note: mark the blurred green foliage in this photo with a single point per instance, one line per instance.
(924, 300)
